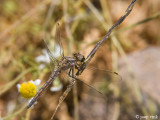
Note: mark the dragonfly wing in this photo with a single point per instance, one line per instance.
(92, 104)
(53, 60)
(58, 39)
(100, 79)
(98, 92)
(57, 47)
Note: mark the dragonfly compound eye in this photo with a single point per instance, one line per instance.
(79, 57)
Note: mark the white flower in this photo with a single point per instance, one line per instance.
(57, 86)
(28, 89)
(29, 103)
(44, 57)
(18, 87)
(36, 82)
(41, 66)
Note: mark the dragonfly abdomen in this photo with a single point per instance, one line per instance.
(44, 87)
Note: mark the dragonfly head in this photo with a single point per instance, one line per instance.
(79, 57)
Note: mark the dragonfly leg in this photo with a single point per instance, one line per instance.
(61, 99)
(69, 73)
(75, 78)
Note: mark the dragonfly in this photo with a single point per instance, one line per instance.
(63, 64)
(75, 63)
(78, 61)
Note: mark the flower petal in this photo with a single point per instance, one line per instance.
(31, 81)
(57, 88)
(41, 66)
(42, 58)
(18, 87)
(37, 82)
(29, 103)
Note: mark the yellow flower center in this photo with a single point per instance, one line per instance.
(28, 90)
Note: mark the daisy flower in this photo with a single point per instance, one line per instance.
(28, 89)
(57, 85)
(45, 57)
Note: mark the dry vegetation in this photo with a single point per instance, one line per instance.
(83, 23)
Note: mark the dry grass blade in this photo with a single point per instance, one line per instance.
(6, 87)
(155, 16)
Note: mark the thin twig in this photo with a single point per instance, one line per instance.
(119, 21)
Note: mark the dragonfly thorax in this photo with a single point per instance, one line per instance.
(69, 62)
(66, 63)
(79, 60)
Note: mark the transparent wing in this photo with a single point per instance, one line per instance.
(97, 94)
(92, 104)
(58, 39)
(53, 60)
(57, 49)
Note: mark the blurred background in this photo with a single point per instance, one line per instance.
(132, 51)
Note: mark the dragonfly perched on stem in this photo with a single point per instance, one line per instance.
(77, 62)
(64, 63)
